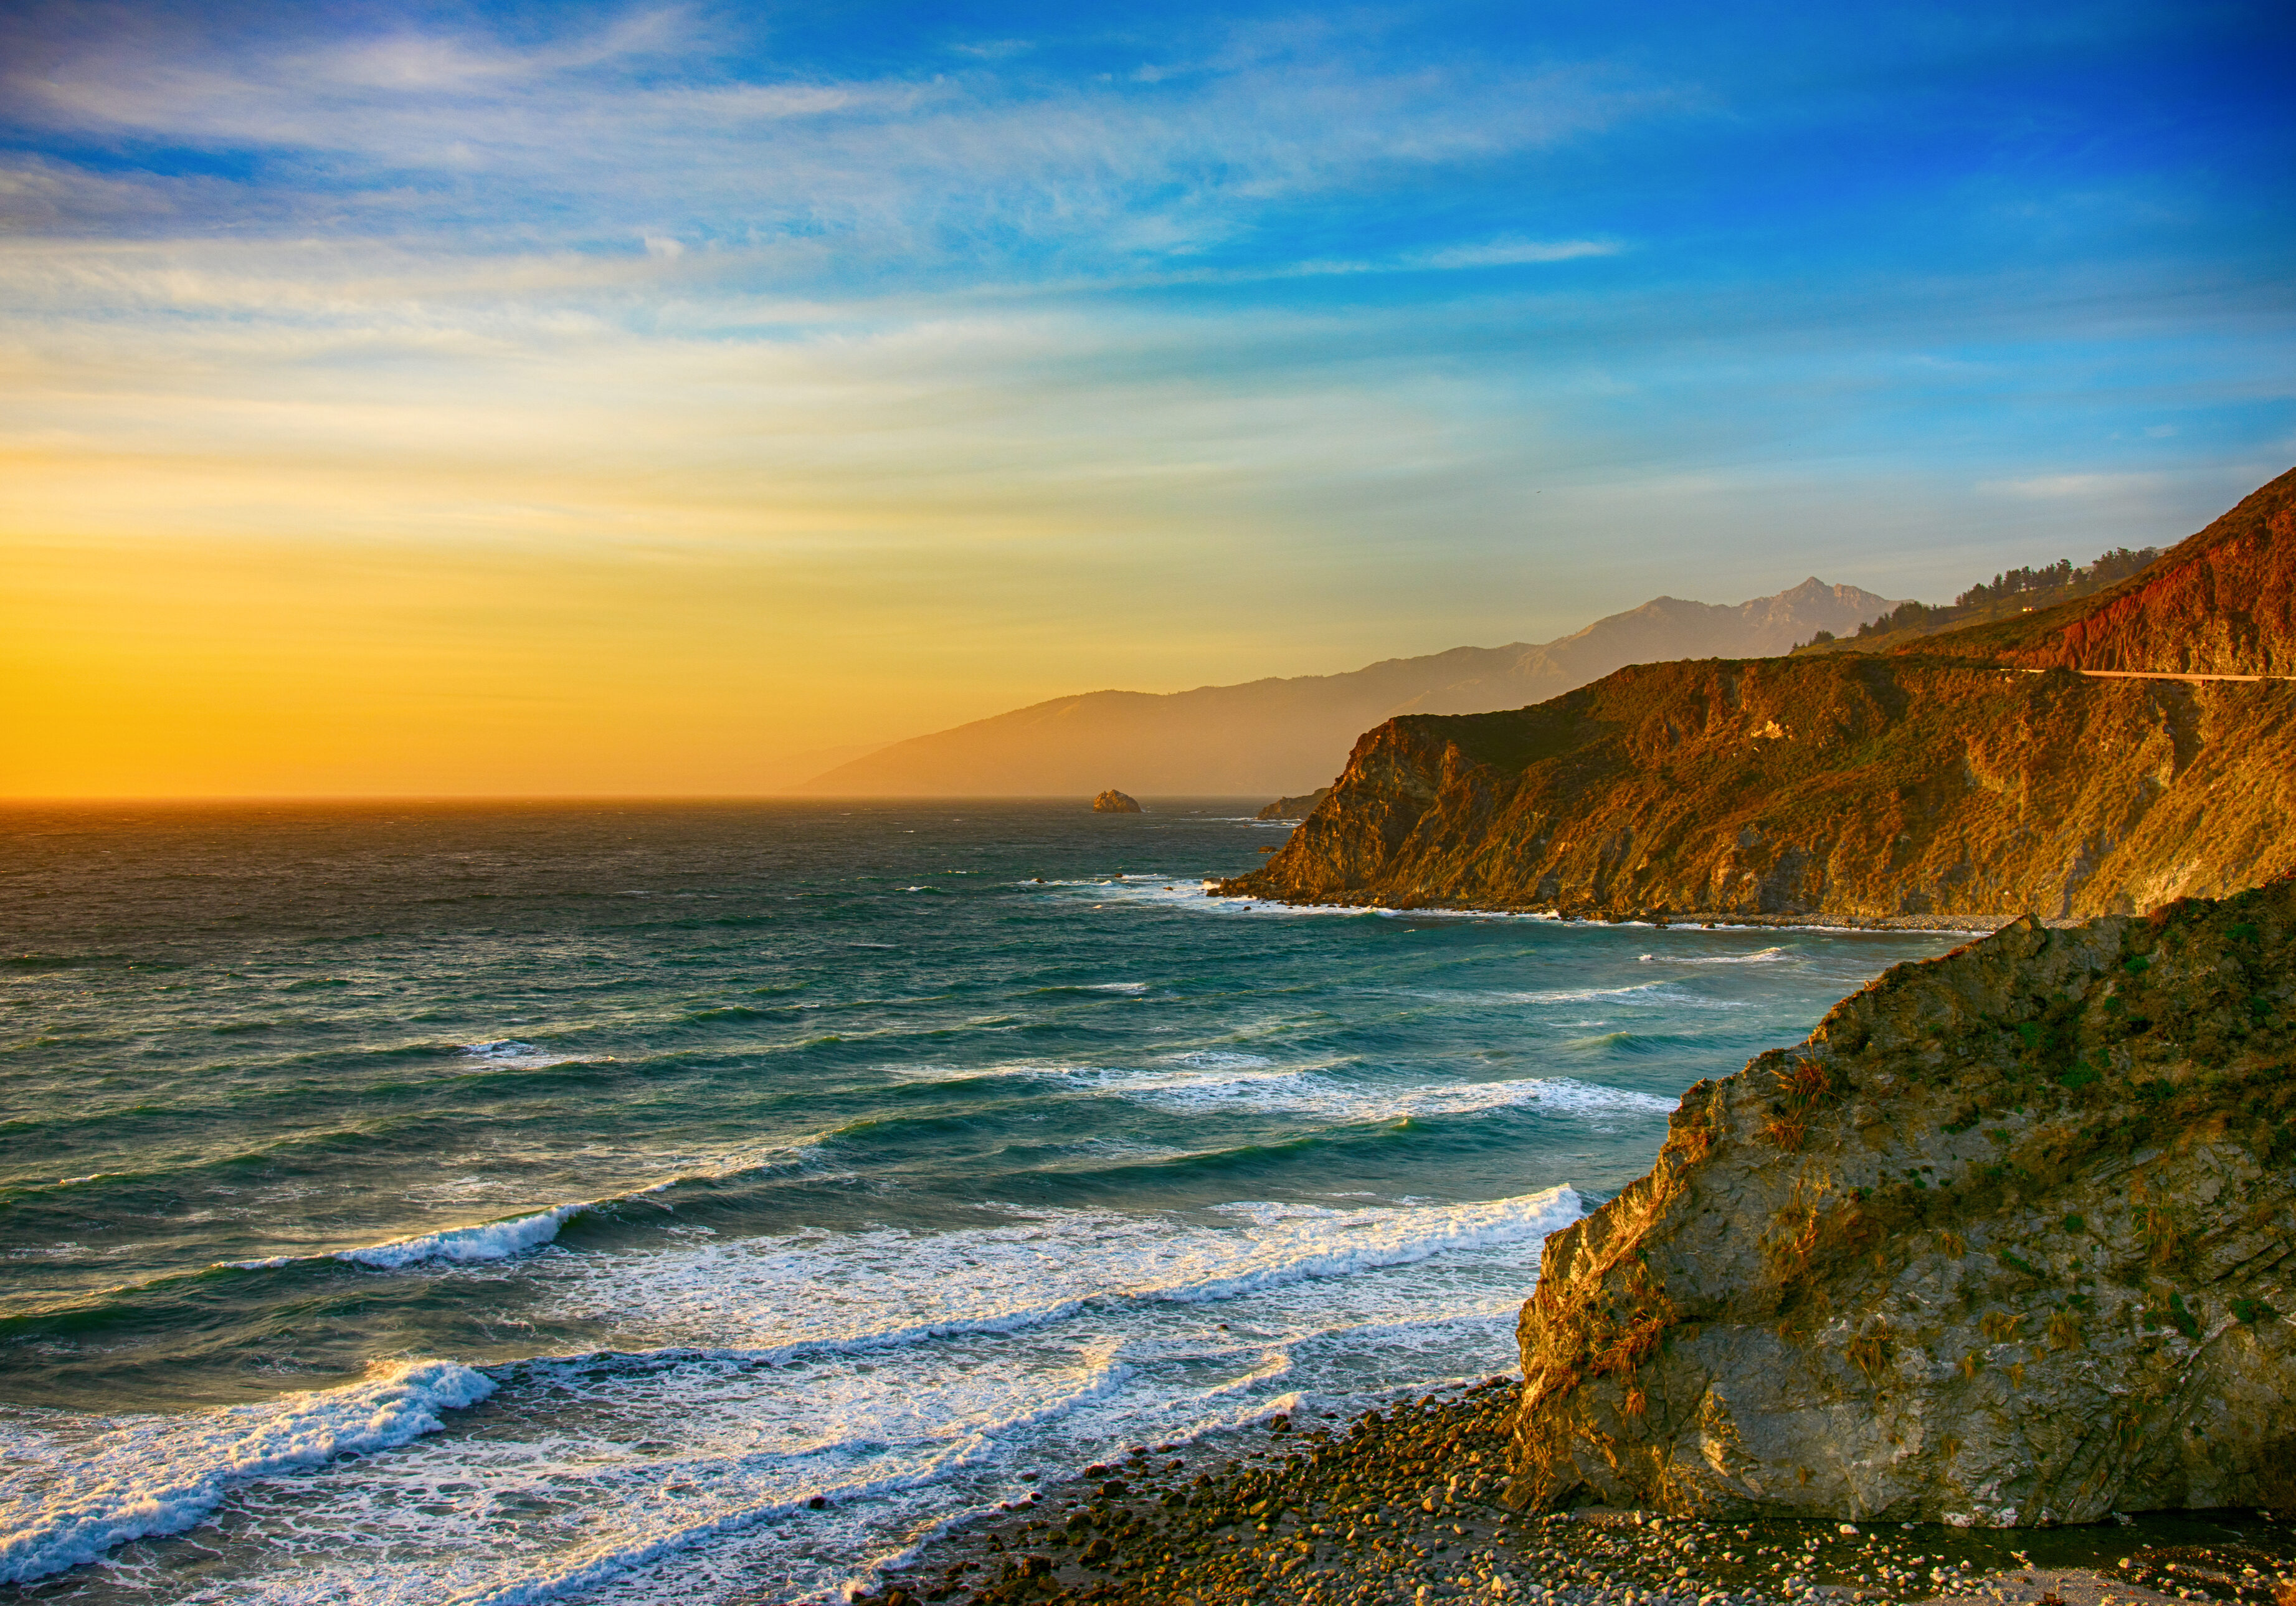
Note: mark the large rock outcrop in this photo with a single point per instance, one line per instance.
(1114, 802)
(1294, 808)
(2011, 1239)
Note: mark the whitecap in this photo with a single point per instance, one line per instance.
(489, 1240)
(1758, 956)
(71, 1496)
(1317, 1095)
(777, 1296)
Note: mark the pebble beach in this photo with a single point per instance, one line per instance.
(1402, 1504)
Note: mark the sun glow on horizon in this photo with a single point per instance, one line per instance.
(629, 403)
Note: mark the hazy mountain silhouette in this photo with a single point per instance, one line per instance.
(1284, 735)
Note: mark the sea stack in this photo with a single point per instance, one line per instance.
(2009, 1240)
(1114, 802)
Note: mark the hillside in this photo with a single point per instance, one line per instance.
(2008, 596)
(1955, 781)
(2221, 602)
(1291, 735)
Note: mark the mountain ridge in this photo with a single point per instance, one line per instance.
(1289, 734)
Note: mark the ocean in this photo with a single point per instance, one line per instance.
(709, 1202)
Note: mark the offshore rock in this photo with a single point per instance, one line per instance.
(1114, 802)
(2010, 1239)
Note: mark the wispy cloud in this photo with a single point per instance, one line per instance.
(589, 131)
(880, 352)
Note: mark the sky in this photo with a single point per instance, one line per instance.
(565, 399)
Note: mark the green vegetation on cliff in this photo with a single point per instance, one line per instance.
(2008, 595)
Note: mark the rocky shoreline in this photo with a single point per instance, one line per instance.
(1978, 925)
(1402, 1505)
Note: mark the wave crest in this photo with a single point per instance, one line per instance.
(162, 1475)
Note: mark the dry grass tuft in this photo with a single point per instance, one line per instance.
(1805, 1085)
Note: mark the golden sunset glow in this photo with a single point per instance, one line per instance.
(419, 410)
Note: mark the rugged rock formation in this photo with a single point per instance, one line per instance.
(1294, 808)
(2011, 1239)
(1873, 786)
(1114, 802)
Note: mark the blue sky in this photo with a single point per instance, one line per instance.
(884, 366)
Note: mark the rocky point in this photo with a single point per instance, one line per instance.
(2009, 1240)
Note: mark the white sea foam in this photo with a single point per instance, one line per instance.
(502, 1240)
(1314, 1093)
(1218, 1081)
(1758, 956)
(774, 1297)
(904, 1376)
(463, 1246)
(73, 1492)
(490, 1241)
(515, 1051)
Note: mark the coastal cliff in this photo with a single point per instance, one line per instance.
(1979, 776)
(2011, 1239)
(1862, 787)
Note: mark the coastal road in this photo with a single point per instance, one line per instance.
(2162, 675)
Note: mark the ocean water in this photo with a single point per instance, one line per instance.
(551, 1203)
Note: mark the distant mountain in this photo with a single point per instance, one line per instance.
(1274, 736)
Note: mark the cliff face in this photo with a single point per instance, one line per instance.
(2011, 1239)
(1977, 777)
(1867, 787)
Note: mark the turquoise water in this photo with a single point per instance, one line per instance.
(454, 1203)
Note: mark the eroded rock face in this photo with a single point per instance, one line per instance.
(1114, 802)
(2011, 1239)
(2222, 602)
